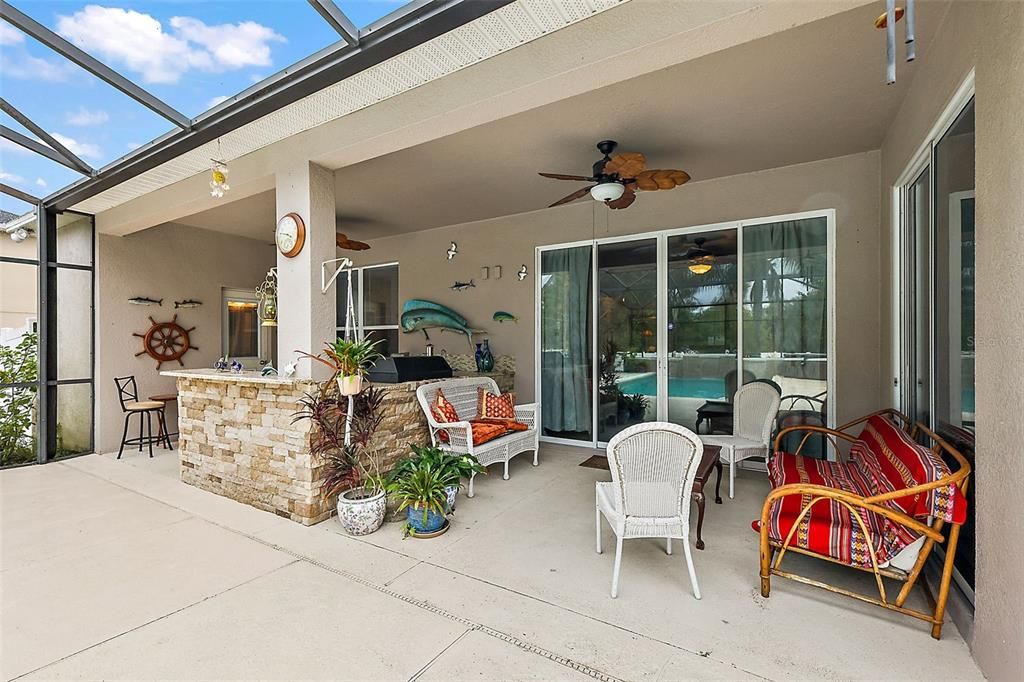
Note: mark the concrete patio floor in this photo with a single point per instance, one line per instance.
(116, 570)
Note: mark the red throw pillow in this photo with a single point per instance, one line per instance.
(444, 407)
(484, 431)
(493, 406)
(509, 424)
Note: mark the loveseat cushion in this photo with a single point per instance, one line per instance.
(491, 405)
(829, 528)
(893, 460)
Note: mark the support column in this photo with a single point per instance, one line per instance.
(306, 318)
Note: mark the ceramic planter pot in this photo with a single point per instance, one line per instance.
(350, 385)
(434, 521)
(361, 513)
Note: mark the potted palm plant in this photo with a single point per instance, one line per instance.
(349, 360)
(351, 471)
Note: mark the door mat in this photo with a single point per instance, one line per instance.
(595, 462)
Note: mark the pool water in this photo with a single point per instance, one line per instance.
(678, 387)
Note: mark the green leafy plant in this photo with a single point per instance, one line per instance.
(458, 466)
(424, 487)
(347, 358)
(345, 466)
(18, 365)
(637, 403)
(608, 380)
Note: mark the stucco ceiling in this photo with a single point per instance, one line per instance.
(813, 92)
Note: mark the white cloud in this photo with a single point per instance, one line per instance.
(256, 77)
(85, 117)
(232, 46)
(86, 150)
(10, 35)
(9, 147)
(216, 100)
(41, 183)
(27, 67)
(11, 177)
(139, 42)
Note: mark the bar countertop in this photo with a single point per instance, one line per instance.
(246, 377)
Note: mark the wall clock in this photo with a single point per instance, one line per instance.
(290, 235)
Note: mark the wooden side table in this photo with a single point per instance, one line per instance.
(168, 398)
(710, 461)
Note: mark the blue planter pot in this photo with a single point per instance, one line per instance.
(415, 517)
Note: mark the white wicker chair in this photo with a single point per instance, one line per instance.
(653, 468)
(754, 410)
(462, 394)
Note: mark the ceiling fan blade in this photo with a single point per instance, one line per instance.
(626, 165)
(346, 244)
(562, 176)
(571, 197)
(655, 179)
(627, 198)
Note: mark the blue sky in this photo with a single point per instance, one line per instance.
(188, 53)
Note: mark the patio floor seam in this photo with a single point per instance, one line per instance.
(427, 606)
(702, 654)
(155, 620)
(419, 673)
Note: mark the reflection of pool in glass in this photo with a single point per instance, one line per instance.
(678, 387)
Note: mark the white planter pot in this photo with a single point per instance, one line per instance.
(361, 515)
(350, 385)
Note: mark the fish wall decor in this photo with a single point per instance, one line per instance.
(421, 315)
(462, 286)
(142, 300)
(502, 316)
(188, 303)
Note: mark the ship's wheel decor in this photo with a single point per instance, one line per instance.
(166, 341)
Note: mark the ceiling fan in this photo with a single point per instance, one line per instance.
(346, 244)
(619, 177)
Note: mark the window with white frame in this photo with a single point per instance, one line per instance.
(375, 297)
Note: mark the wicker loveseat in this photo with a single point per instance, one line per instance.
(882, 510)
(457, 436)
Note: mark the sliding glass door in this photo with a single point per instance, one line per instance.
(627, 335)
(701, 293)
(668, 326)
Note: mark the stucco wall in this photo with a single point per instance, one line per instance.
(989, 37)
(172, 262)
(847, 184)
(18, 283)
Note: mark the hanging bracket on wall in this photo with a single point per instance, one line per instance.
(325, 280)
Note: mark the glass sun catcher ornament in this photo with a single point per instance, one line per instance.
(218, 178)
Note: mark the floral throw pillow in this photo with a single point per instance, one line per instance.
(493, 406)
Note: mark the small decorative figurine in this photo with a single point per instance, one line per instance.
(289, 370)
(268, 370)
(521, 275)
(222, 364)
(452, 250)
(236, 367)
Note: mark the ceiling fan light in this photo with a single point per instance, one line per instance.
(607, 191)
(702, 267)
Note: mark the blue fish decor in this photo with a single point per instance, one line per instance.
(420, 315)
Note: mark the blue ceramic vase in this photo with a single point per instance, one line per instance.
(433, 522)
(486, 361)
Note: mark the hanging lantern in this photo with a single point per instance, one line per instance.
(218, 178)
(267, 293)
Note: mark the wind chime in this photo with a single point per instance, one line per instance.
(887, 21)
(353, 328)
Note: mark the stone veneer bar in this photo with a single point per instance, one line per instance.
(236, 438)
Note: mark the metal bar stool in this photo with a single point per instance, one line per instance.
(128, 396)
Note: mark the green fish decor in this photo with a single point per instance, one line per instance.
(502, 316)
